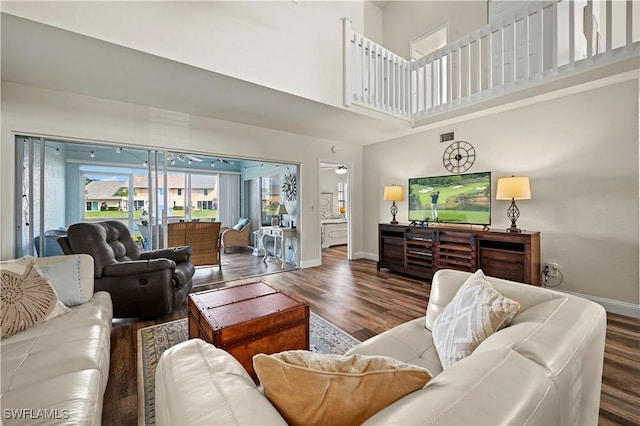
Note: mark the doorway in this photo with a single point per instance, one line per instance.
(59, 183)
(334, 205)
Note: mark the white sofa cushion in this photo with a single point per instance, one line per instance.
(61, 365)
(490, 388)
(78, 340)
(410, 342)
(199, 384)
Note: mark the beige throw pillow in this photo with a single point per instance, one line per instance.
(476, 312)
(317, 389)
(26, 295)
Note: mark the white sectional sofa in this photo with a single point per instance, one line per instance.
(56, 371)
(545, 368)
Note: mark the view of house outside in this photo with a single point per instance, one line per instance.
(107, 196)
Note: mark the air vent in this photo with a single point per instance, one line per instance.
(446, 137)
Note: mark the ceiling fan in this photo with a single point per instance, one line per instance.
(339, 169)
(172, 157)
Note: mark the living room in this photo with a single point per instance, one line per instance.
(103, 79)
(556, 139)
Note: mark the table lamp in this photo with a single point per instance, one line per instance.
(281, 211)
(513, 188)
(393, 193)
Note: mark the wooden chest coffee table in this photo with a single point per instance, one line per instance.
(249, 319)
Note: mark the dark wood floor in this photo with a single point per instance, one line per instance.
(363, 302)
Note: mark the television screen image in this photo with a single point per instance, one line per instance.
(462, 198)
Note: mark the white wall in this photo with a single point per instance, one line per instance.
(581, 154)
(407, 20)
(27, 109)
(373, 19)
(294, 47)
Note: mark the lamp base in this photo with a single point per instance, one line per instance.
(394, 212)
(513, 213)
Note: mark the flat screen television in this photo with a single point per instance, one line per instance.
(464, 198)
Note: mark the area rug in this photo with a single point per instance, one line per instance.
(153, 341)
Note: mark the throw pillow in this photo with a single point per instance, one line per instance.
(63, 273)
(27, 296)
(316, 389)
(475, 312)
(241, 224)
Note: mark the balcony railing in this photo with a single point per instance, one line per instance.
(375, 77)
(533, 46)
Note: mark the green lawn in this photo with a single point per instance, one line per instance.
(476, 210)
(112, 215)
(452, 216)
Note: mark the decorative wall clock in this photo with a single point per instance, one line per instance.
(289, 187)
(459, 157)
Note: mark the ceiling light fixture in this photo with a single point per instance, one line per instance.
(341, 170)
(92, 154)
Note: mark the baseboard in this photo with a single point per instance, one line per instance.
(363, 255)
(613, 306)
(318, 262)
(310, 263)
(368, 256)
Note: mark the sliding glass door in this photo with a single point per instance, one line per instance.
(115, 193)
(203, 196)
(59, 183)
(270, 196)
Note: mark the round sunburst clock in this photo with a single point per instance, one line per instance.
(289, 187)
(459, 157)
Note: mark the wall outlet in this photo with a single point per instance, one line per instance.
(552, 269)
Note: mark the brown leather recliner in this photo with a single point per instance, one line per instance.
(141, 284)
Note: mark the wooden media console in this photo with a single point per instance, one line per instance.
(420, 251)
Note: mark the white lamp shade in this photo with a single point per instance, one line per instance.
(514, 187)
(393, 193)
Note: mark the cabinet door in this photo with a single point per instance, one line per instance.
(392, 252)
(507, 264)
(419, 252)
(456, 250)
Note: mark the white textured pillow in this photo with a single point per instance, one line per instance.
(475, 313)
(64, 274)
(27, 296)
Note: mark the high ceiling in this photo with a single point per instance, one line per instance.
(48, 57)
